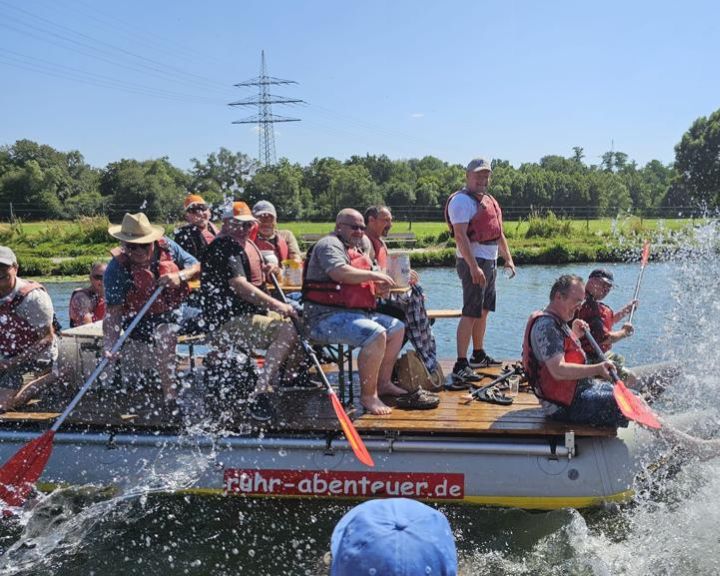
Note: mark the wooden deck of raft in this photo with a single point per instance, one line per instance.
(302, 410)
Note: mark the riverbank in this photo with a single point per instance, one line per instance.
(68, 249)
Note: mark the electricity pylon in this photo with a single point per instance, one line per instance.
(265, 118)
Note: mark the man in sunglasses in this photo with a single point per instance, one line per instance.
(238, 308)
(146, 260)
(27, 338)
(87, 305)
(339, 292)
(194, 236)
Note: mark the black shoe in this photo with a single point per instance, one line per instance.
(464, 374)
(483, 362)
(260, 408)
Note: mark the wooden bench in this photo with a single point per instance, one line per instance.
(392, 239)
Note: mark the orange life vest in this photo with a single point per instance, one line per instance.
(356, 296)
(16, 333)
(545, 386)
(144, 281)
(486, 225)
(381, 252)
(599, 317)
(277, 244)
(98, 311)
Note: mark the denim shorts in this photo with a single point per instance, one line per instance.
(352, 328)
(594, 405)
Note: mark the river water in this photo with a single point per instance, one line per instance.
(669, 529)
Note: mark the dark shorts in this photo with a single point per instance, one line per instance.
(594, 405)
(477, 298)
(146, 328)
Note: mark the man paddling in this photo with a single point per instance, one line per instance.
(556, 364)
(145, 260)
(27, 337)
(601, 319)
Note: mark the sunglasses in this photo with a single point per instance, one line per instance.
(355, 227)
(243, 224)
(96, 276)
(196, 209)
(133, 247)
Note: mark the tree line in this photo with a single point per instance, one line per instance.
(39, 182)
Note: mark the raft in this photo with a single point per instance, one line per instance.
(465, 453)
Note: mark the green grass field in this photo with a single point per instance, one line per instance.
(61, 248)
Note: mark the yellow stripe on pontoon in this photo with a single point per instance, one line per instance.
(524, 502)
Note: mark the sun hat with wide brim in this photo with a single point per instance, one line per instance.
(136, 229)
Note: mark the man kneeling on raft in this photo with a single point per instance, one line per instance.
(339, 294)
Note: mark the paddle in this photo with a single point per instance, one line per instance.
(504, 376)
(23, 469)
(643, 263)
(351, 433)
(633, 407)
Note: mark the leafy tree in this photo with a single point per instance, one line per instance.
(352, 187)
(280, 184)
(697, 163)
(222, 174)
(154, 187)
(42, 182)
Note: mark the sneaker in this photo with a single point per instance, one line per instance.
(484, 362)
(260, 408)
(464, 374)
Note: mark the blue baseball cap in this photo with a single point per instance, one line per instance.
(393, 537)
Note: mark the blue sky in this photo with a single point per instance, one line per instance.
(515, 80)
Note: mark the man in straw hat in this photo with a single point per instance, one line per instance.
(27, 338)
(194, 236)
(238, 308)
(145, 260)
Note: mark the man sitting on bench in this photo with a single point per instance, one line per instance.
(339, 295)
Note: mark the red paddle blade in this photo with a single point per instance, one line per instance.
(633, 407)
(645, 253)
(351, 433)
(18, 474)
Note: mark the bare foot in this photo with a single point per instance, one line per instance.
(390, 389)
(374, 405)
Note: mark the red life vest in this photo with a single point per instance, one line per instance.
(144, 281)
(98, 310)
(381, 252)
(545, 386)
(356, 296)
(486, 225)
(599, 317)
(16, 333)
(277, 244)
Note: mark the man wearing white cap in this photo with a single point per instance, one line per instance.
(278, 244)
(145, 260)
(475, 220)
(27, 339)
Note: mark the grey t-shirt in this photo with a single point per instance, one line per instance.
(37, 309)
(328, 254)
(547, 339)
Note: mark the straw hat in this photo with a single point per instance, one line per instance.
(136, 229)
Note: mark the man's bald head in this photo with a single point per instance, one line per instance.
(348, 215)
(350, 226)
